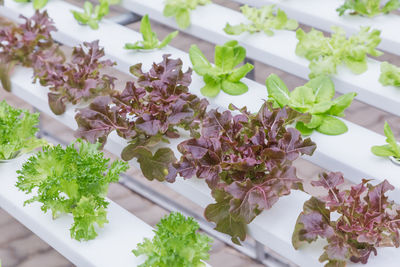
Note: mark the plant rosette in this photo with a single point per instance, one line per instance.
(354, 222)
(246, 160)
(147, 114)
(368, 8)
(314, 98)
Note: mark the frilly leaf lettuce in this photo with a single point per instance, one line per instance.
(223, 76)
(263, 19)
(175, 244)
(327, 53)
(369, 8)
(180, 9)
(150, 40)
(390, 74)
(72, 180)
(17, 131)
(354, 222)
(315, 98)
(92, 15)
(246, 160)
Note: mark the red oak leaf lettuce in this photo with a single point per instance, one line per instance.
(367, 220)
(22, 44)
(146, 113)
(80, 79)
(246, 160)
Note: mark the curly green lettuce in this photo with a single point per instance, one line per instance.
(175, 244)
(369, 8)
(180, 10)
(18, 128)
(72, 180)
(390, 74)
(327, 53)
(263, 19)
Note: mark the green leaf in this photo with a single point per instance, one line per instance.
(391, 140)
(302, 98)
(224, 57)
(239, 73)
(390, 74)
(39, 4)
(145, 28)
(183, 18)
(323, 88)
(303, 129)
(235, 30)
(212, 86)
(332, 126)
(168, 39)
(277, 90)
(383, 151)
(316, 121)
(200, 63)
(341, 103)
(234, 88)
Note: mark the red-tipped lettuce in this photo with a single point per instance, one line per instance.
(367, 220)
(246, 159)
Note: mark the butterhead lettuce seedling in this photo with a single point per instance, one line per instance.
(150, 40)
(37, 4)
(17, 131)
(315, 98)
(175, 244)
(369, 8)
(390, 74)
(223, 75)
(391, 149)
(180, 9)
(71, 180)
(263, 19)
(327, 53)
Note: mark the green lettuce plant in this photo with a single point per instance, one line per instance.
(150, 40)
(37, 4)
(180, 9)
(17, 131)
(175, 244)
(315, 98)
(71, 180)
(263, 19)
(92, 15)
(369, 8)
(223, 75)
(327, 53)
(390, 74)
(391, 149)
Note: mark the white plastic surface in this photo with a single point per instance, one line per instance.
(323, 15)
(279, 50)
(112, 246)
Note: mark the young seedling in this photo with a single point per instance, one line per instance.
(315, 98)
(176, 243)
(390, 74)
(263, 19)
(369, 8)
(93, 15)
(223, 75)
(150, 40)
(37, 4)
(391, 149)
(180, 9)
(326, 53)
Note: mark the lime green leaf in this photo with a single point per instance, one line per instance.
(277, 90)
(168, 39)
(383, 151)
(390, 74)
(212, 86)
(332, 126)
(234, 88)
(341, 103)
(302, 98)
(323, 88)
